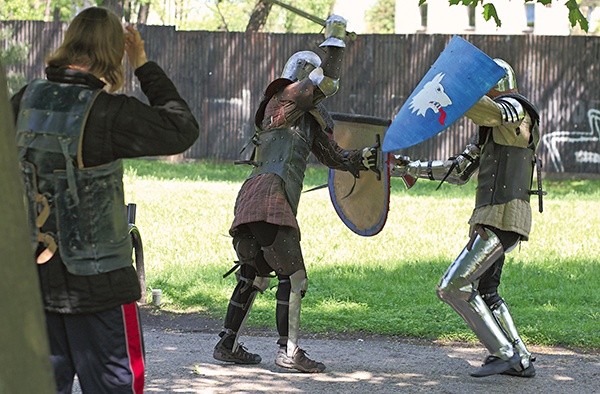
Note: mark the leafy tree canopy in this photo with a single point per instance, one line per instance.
(489, 11)
(233, 15)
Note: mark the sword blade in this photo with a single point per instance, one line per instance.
(303, 14)
(310, 17)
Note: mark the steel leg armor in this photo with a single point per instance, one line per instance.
(242, 299)
(457, 289)
(505, 321)
(299, 285)
(285, 257)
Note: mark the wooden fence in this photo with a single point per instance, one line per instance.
(223, 76)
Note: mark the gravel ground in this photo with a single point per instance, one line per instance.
(179, 360)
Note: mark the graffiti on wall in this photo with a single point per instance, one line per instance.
(575, 151)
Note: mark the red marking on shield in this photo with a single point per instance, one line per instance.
(442, 118)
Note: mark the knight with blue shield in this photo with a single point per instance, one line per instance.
(504, 154)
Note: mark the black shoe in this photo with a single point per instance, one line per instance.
(528, 372)
(298, 361)
(240, 356)
(494, 365)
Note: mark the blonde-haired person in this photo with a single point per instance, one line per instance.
(72, 132)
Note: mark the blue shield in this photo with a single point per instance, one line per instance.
(460, 76)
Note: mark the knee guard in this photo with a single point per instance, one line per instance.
(458, 280)
(284, 255)
(246, 247)
(249, 252)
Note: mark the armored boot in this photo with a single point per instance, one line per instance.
(298, 360)
(528, 372)
(525, 369)
(224, 350)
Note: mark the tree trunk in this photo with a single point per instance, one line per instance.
(259, 16)
(56, 14)
(115, 6)
(127, 11)
(143, 13)
(24, 358)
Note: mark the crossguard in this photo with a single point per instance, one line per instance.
(379, 158)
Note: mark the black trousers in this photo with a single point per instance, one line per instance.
(265, 234)
(490, 280)
(104, 349)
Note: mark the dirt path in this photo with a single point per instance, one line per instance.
(179, 360)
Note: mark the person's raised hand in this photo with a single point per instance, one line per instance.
(134, 47)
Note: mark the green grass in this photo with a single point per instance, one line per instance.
(383, 284)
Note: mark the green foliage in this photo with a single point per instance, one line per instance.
(214, 15)
(233, 15)
(575, 15)
(383, 284)
(489, 11)
(67, 9)
(380, 18)
(39, 10)
(14, 53)
(21, 10)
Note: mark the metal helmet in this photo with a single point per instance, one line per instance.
(509, 80)
(300, 64)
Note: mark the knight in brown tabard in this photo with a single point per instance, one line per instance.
(290, 124)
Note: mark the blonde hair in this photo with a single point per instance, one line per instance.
(95, 39)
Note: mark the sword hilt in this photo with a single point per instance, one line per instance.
(539, 192)
(379, 166)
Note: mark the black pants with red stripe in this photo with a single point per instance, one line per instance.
(104, 349)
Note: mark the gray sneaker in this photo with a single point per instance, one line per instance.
(240, 356)
(528, 372)
(494, 365)
(298, 361)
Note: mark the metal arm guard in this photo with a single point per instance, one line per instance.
(511, 109)
(327, 85)
(327, 77)
(456, 170)
(335, 32)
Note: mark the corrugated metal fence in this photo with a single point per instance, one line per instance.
(223, 76)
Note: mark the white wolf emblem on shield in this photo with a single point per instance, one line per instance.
(433, 97)
(467, 74)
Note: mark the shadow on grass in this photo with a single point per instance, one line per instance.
(551, 306)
